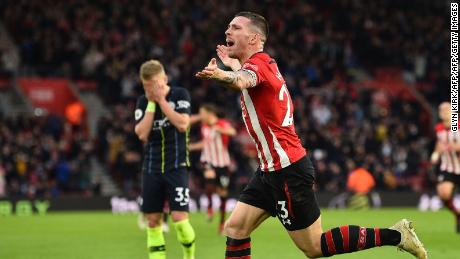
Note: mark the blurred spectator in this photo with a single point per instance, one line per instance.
(360, 181)
(322, 47)
(2, 181)
(43, 156)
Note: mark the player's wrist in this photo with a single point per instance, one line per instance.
(151, 107)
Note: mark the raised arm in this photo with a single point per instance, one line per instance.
(144, 115)
(196, 146)
(180, 120)
(227, 130)
(237, 80)
(195, 118)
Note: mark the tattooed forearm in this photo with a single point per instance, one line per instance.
(229, 78)
(239, 80)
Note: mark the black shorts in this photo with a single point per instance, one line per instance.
(158, 187)
(444, 176)
(222, 175)
(287, 193)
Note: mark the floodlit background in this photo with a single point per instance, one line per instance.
(366, 78)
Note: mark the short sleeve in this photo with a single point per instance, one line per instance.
(255, 70)
(141, 105)
(183, 102)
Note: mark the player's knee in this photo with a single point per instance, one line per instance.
(444, 194)
(236, 230)
(153, 220)
(177, 216)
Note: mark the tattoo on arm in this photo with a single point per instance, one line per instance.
(240, 77)
(230, 78)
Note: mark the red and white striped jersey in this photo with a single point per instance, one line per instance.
(450, 161)
(267, 111)
(215, 145)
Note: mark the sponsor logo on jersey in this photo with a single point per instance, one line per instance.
(183, 104)
(158, 124)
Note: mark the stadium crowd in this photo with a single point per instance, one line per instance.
(44, 157)
(318, 45)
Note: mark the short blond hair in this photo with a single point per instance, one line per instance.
(150, 68)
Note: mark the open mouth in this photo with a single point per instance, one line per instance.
(230, 43)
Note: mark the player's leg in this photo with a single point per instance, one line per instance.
(209, 188)
(153, 196)
(223, 181)
(252, 209)
(185, 232)
(350, 238)
(179, 198)
(445, 190)
(242, 221)
(298, 211)
(166, 212)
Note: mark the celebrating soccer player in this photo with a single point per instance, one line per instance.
(447, 153)
(215, 133)
(163, 118)
(282, 186)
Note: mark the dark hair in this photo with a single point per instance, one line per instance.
(209, 107)
(258, 21)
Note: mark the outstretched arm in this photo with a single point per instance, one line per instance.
(196, 146)
(237, 80)
(228, 130)
(195, 118)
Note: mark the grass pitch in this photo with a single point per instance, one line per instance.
(103, 235)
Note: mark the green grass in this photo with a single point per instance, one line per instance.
(102, 235)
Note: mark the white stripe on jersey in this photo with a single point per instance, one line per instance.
(259, 155)
(449, 160)
(258, 130)
(214, 151)
(453, 138)
(220, 151)
(213, 148)
(284, 159)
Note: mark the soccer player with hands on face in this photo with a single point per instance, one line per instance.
(162, 123)
(283, 184)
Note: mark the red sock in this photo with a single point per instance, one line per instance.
(347, 239)
(238, 248)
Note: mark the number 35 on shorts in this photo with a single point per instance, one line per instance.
(283, 213)
(182, 196)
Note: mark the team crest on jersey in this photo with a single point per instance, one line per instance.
(138, 114)
(172, 105)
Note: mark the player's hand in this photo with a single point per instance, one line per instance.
(435, 158)
(159, 92)
(222, 53)
(210, 71)
(149, 93)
